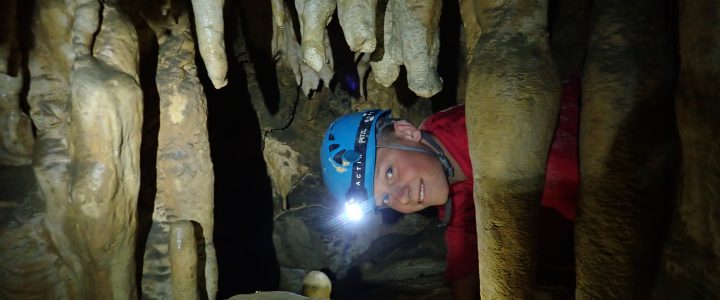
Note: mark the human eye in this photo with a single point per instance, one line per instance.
(386, 200)
(389, 172)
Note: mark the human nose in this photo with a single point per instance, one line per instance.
(400, 194)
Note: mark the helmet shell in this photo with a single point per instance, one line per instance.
(345, 148)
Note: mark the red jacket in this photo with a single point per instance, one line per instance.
(561, 184)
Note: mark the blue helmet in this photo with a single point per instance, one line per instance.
(347, 155)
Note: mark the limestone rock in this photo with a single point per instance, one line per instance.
(285, 47)
(16, 138)
(314, 15)
(411, 38)
(210, 29)
(184, 170)
(276, 295)
(357, 18)
(314, 237)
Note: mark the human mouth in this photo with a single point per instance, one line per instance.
(422, 191)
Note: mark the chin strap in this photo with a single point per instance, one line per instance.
(449, 172)
(447, 166)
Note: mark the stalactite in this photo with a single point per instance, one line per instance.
(285, 47)
(357, 18)
(314, 15)
(210, 30)
(411, 38)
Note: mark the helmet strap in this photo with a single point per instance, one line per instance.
(447, 166)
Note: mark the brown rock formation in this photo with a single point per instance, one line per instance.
(16, 138)
(210, 30)
(691, 258)
(285, 47)
(512, 101)
(88, 172)
(183, 260)
(628, 149)
(410, 35)
(357, 18)
(73, 234)
(314, 15)
(184, 170)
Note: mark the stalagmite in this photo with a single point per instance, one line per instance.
(209, 27)
(317, 285)
(285, 45)
(184, 169)
(357, 18)
(283, 166)
(411, 38)
(512, 100)
(314, 15)
(183, 260)
(628, 149)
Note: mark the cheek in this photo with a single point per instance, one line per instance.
(430, 169)
(440, 190)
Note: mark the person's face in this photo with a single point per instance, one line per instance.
(410, 181)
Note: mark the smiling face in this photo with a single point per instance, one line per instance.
(407, 181)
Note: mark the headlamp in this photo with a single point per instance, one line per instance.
(354, 210)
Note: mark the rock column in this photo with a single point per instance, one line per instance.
(512, 101)
(184, 170)
(628, 149)
(691, 260)
(86, 103)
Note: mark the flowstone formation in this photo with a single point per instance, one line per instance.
(108, 190)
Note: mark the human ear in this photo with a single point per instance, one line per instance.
(405, 130)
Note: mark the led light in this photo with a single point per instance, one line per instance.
(353, 210)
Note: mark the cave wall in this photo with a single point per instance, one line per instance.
(109, 191)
